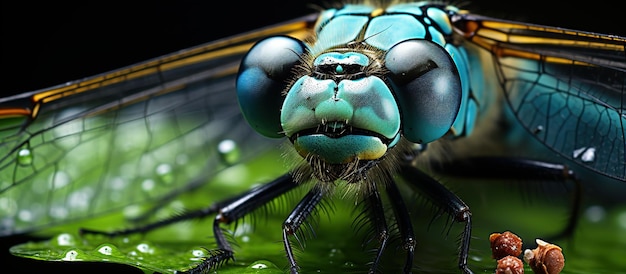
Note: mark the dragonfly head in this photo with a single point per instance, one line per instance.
(346, 108)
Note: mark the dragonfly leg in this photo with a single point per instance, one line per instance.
(195, 214)
(295, 219)
(403, 220)
(446, 200)
(520, 169)
(236, 209)
(379, 223)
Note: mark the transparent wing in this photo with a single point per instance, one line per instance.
(137, 134)
(566, 87)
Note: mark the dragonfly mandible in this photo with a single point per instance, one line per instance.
(113, 100)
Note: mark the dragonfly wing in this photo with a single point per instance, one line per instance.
(133, 135)
(566, 87)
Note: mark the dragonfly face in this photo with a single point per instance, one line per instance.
(351, 103)
(340, 98)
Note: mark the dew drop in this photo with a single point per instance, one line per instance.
(147, 185)
(229, 151)
(145, 248)
(258, 266)
(25, 215)
(476, 258)
(71, 255)
(105, 250)
(586, 154)
(24, 157)
(65, 239)
(132, 211)
(261, 264)
(595, 213)
(165, 174)
(245, 239)
(198, 254)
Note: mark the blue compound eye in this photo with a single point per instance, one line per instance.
(427, 85)
(263, 75)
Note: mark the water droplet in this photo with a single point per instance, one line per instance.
(476, 258)
(25, 215)
(147, 185)
(595, 213)
(586, 154)
(71, 255)
(258, 266)
(538, 129)
(24, 157)
(132, 211)
(106, 249)
(262, 264)
(145, 248)
(65, 239)
(165, 174)
(229, 152)
(199, 253)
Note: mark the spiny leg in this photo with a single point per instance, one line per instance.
(510, 168)
(295, 219)
(235, 210)
(446, 200)
(378, 220)
(405, 226)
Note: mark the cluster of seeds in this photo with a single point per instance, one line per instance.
(506, 248)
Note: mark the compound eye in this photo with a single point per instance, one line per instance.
(263, 75)
(427, 86)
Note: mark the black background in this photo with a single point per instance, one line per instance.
(45, 44)
(49, 43)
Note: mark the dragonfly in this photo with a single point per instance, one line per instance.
(581, 77)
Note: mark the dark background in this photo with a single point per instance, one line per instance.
(45, 44)
(51, 43)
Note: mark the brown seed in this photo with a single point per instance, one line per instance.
(547, 258)
(510, 265)
(505, 244)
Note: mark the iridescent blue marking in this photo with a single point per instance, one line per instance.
(386, 31)
(353, 58)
